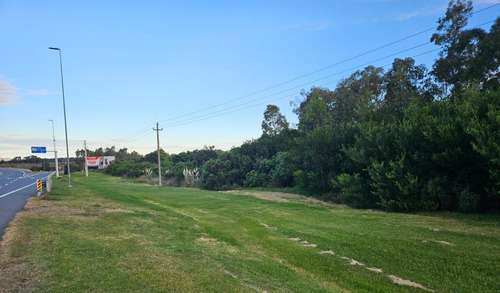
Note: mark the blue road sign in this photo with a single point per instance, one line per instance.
(38, 149)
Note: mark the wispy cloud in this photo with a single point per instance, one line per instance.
(37, 93)
(424, 12)
(7, 93)
(420, 13)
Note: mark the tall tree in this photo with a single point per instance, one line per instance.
(459, 46)
(367, 83)
(316, 93)
(274, 122)
(342, 104)
(404, 82)
(315, 114)
(485, 68)
(110, 151)
(361, 88)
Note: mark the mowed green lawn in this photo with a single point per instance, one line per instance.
(108, 234)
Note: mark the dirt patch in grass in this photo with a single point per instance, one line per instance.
(306, 243)
(375, 270)
(444, 242)
(403, 282)
(273, 196)
(32, 206)
(440, 242)
(203, 239)
(352, 262)
(268, 227)
(230, 274)
(284, 197)
(217, 244)
(118, 211)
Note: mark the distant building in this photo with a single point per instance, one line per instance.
(100, 162)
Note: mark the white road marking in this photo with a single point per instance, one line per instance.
(3, 195)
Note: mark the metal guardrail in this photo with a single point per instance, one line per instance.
(48, 182)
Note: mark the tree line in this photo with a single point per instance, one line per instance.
(405, 139)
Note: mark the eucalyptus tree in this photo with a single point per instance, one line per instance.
(459, 45)
(274, 122)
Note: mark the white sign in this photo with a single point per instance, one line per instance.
(100, 162)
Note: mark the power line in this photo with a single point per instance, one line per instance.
(318, 70)
(305, 84)
(143, 132)
(138, 132)
(302, 76)
(214, 114)
(486, 8)
(225, 111)
(137, 138)
(209, 115)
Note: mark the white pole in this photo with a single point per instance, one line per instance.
(65, 124)
(55, 152)
(57, 164)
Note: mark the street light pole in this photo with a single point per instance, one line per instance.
(55, 151)
(64, 108)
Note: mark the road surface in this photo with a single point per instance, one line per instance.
(16, 186)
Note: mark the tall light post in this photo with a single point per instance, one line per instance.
(55, 151)
(64, 107)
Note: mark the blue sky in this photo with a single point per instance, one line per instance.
(205, 70)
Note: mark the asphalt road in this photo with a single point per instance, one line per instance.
(16, 186)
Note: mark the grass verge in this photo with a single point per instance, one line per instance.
(109, 234)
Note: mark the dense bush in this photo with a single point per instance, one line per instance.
(129, 168)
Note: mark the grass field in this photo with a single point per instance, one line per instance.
(108, 234)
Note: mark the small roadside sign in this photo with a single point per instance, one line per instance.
(39, 186)
(38, 149)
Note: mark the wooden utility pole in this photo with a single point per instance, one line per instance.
(86, 165)
(158, 142)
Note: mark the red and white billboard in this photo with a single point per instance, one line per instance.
(99, 162)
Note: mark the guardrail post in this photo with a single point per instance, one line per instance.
(49, 184)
